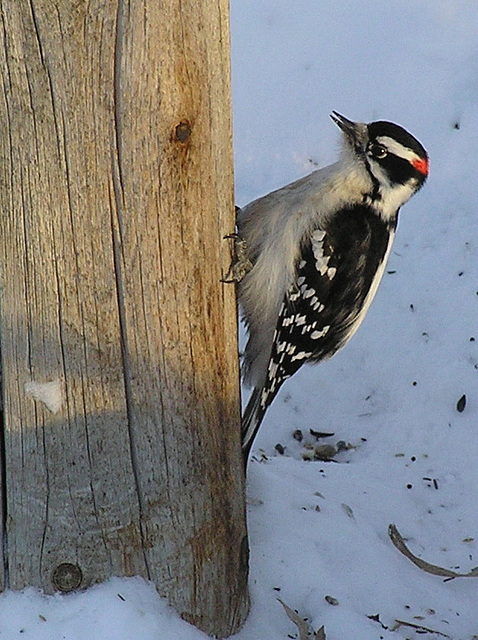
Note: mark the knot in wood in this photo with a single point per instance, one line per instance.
(67, 577)
(183, 132)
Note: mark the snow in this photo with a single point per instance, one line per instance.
(50, 393)
(317, 528)
(119, 609)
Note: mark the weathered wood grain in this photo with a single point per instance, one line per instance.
(116, 191)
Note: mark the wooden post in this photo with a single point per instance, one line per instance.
(118, 340)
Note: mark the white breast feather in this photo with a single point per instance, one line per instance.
(274, 227)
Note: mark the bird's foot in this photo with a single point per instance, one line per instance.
(240, 263)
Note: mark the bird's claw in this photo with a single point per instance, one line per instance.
(240, 263)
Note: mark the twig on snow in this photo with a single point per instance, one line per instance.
(403, 623)
(399, 543)
(304, 628)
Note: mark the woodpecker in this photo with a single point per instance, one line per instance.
(317, 250)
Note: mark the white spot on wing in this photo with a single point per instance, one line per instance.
(302, 355)
(321, 260)
(318, 235)
(319, 334)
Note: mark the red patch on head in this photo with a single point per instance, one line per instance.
(421, 165)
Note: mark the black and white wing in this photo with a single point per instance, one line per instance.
(337, 276)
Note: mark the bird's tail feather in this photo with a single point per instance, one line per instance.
(251, 420)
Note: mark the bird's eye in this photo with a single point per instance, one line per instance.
(378, 151)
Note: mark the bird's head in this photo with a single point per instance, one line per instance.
(395, 160)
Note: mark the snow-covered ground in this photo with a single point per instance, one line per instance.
(318, 530)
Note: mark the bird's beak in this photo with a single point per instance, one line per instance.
(356, 132)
